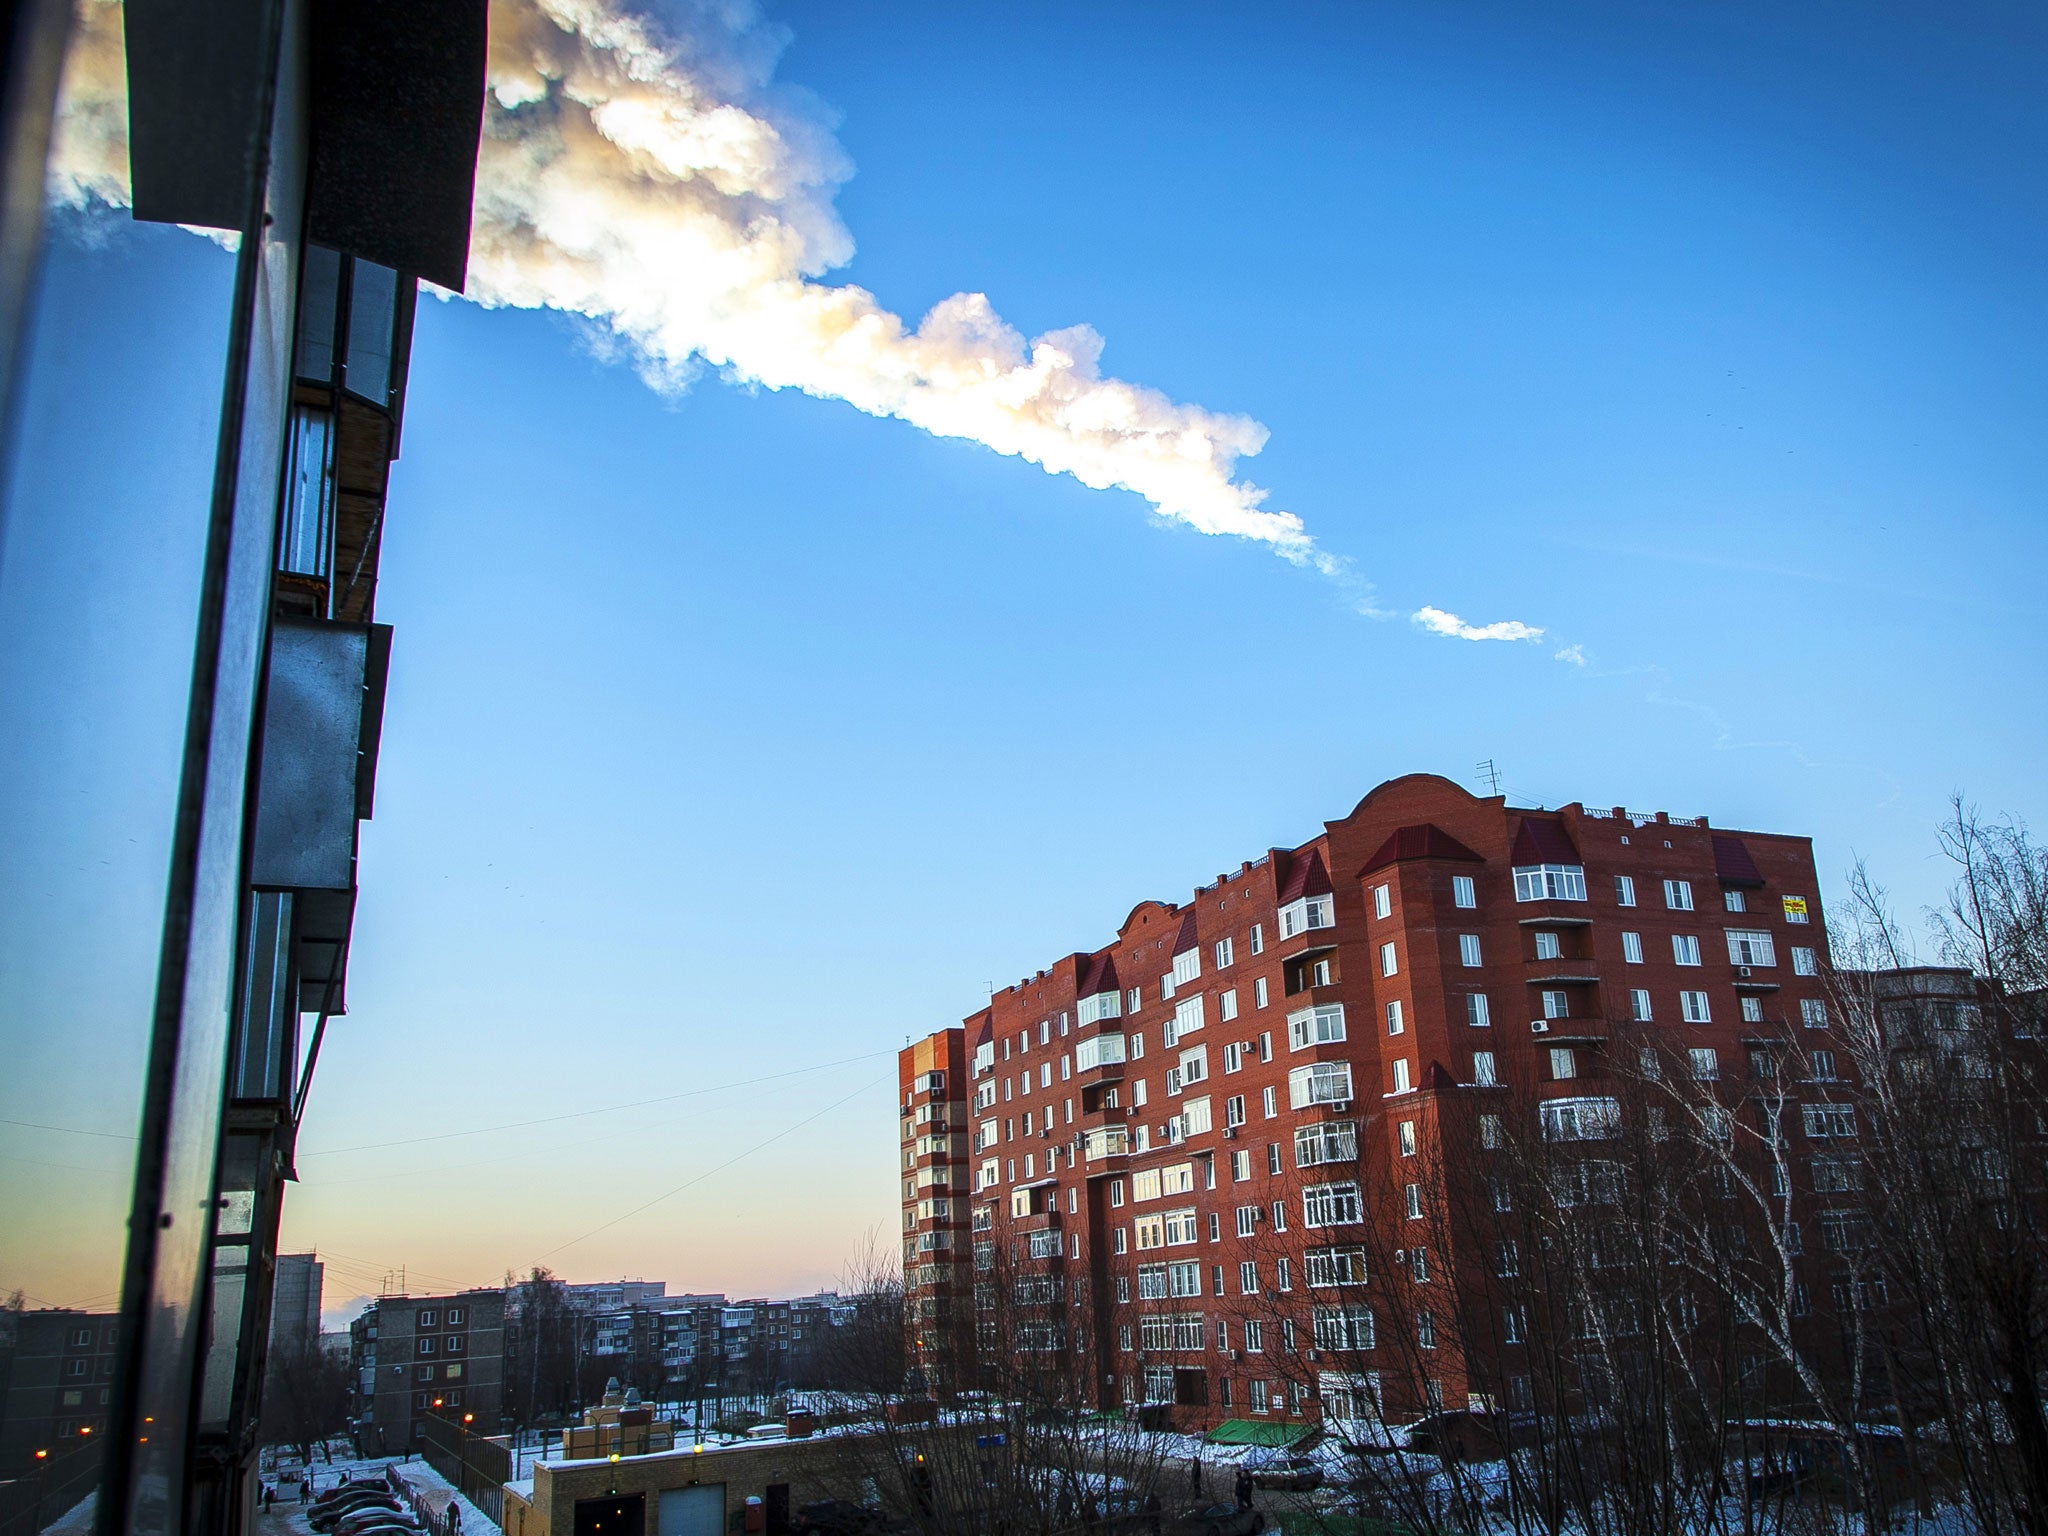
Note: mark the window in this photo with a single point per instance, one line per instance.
(1283, 1271)
(1401, 1080)
(1475, 1010)
(1097, 1051)
(1813, 1013)
(1826, 1120)
(1322, 1025)
(1632, 948)
(1382, 901)
(1335, 1266)
(1557, 1003)
(1411, 1196)
(1319, 972)
(1795, 909)
(1639, 1004)
(1692, 1007)
(1194, 1118)
(1272, 1154)
(1750, 946)
(1405, 1133)
(1564, 1062)
(1247, 1220)
(1134, 999)
(1342, 1327)
(1804, 961)
(1098, 1006)
(1821, 1066)
(1136, 1041)
(1752, 1010)
(1624, 890)
(1394, 1025)
(1489, 1131)
(1685, 949)
(1589, 1119)
(1180, 1228)
(1678, 895)
(1254, 1328)
(1468, 950)
(1233, 1110)
(1331, 1205)
(1463, 893)
(1265, 1044)
(1240, 1165)
(1216, 1235)
(1550, 882)
(1837, 1175)
(1225, 955)
(1150, 1232)
(1151, 1282)
(1483, 1074)
(1425, 1332)
(1248, 1285)
(1259, 992)
(1044, 1032)
(1305, 914)
(1706, 1064)
(426, 1346)
(428, 1317)
(1734, 901)
(1187, 967)
(1233, 1057)
(1226, 1004)
(1116, 1191)
(1258, 939)
(1194, 1066)
(1548, 947)
(1183, 1279)
(1389, 961)
(1269, 1101)
(1187, 1016)
(1331, 1141)
(1138, 1091)
(1280, 1219)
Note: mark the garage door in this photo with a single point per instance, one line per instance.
(698, 1511)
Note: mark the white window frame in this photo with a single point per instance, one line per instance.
(1322, 1024)
(1632, 948)
(1685, 949)
(1678, 895)
(1694, 1008)
(1639, 1005)
(1390, 959)
(1464, 893)
(1483, 1070)
(1319, 1082)
(1468, 951)
(1395, 1023)
(1383, 901)
(1750, 946)
(1550, 882)
(1478, 1013)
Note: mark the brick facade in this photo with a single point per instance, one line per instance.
(1119, 1116)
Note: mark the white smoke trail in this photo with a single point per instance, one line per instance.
(664, 188)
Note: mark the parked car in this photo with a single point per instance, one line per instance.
(381, 1523)
(1292, 1470)
(1216, 1520)
(345, 1509)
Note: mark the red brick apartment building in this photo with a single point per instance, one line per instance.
(1209, 1105)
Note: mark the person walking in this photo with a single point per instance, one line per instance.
(1195, 1477)
(1244, 1489)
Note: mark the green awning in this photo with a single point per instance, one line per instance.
(1252, 1432)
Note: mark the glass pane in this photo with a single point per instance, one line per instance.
(107, 496)
(318, 302)
(372, 311)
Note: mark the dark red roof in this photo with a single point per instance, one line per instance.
(1099, 975)
(1306, 877)
(1188, 937)
(1427, 841)
(1732, 863)
(1543, 840)
(986, 1034)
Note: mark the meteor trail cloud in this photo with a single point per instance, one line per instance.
(661, 185)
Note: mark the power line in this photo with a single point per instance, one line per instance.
(707, 1173)
(582, 1114)
(67, 1130)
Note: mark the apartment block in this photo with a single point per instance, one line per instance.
(421, 1355)
(1173, 1142)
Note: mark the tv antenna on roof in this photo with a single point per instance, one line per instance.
(1491, 774)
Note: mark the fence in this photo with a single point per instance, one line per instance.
(35, 1500)
(478, 1467)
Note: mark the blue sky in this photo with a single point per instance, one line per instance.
(738, 733)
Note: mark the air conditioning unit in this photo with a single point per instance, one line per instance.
(1742, 971)
(1539, 1026)
(1237, 1354)
(1400, 1255)
(1340, 1106)
(1230, 1133)
(1313, 1357)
